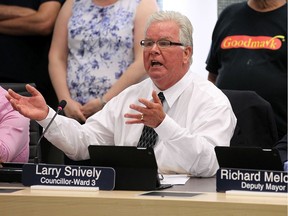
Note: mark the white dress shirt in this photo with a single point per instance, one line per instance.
(198, 118)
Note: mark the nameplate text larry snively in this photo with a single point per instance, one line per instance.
(251, 180)
(68, 175)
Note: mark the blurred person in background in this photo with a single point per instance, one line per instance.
(249, 52)
(26, 28)
(14, 133)
(96, 52)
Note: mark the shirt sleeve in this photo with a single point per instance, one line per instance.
(190, 149)
(66, 134)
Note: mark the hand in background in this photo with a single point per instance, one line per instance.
(33, 107)
(286, 166)
(91, 107)
(73, 110)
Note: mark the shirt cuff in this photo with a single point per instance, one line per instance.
(167, 128)
(48, 118)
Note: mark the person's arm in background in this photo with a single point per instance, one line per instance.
(212, 64)
(40, 22)
(12, 12)
(135, 72)
(212, 77)
(211, 68)
(58, 55)
(14, 133)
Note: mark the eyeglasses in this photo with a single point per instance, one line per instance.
(160, 43)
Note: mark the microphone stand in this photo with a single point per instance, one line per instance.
(60, 107)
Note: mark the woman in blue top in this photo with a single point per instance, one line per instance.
(96, 53)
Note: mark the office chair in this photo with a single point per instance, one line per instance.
(256, 124)
(35, 131)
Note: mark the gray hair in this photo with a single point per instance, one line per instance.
(185, 26)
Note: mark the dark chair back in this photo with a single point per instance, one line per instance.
(256, 124)
(35, 131)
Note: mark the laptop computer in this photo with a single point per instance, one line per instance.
(135, 168)
(248, 158)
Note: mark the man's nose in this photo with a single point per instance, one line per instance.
(155, 49)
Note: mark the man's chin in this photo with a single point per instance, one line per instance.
(156, 76)
(156, 72)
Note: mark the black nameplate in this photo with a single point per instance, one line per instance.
(68, 175)
(251, 180)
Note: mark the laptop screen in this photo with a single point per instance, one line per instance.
(248, 158)
(135, 168)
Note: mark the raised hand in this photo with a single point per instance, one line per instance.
(33, 107)
(151, 114)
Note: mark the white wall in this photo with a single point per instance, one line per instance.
(203, 16)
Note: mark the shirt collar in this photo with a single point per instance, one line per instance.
(176, 90)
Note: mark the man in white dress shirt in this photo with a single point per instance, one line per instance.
(195, 117)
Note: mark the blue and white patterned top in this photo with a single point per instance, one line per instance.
(100, 42)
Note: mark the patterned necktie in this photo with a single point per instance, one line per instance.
(148, 136)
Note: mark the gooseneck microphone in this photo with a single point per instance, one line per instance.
(60, 107)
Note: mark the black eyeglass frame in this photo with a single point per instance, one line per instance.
(171, 43)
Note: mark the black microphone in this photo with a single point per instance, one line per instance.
(60, 107)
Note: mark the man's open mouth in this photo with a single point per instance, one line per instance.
(155, 63)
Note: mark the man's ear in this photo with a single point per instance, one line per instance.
(188, 51)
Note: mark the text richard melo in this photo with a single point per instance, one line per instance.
(253, 180)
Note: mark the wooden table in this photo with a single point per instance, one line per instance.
(125, 203)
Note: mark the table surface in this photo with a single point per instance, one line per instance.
(206, 201)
